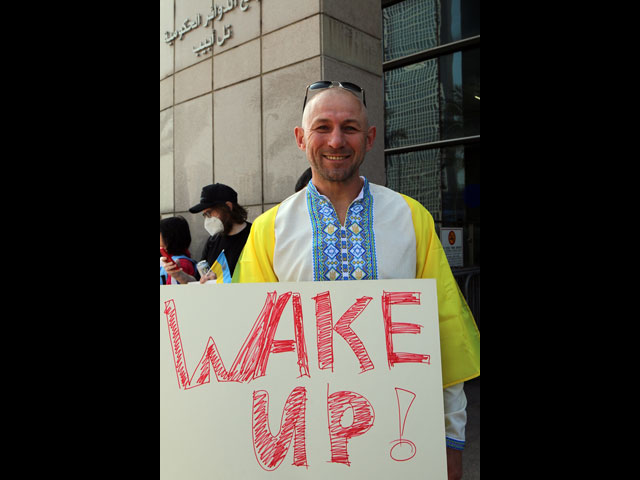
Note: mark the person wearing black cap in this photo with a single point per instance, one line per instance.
(225, 221)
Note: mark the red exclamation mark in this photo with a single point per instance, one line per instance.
(403, 449)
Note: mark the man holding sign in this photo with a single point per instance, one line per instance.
(341, 227)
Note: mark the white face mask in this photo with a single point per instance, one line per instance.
(213, 225)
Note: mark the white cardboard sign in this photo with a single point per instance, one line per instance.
(318, 380)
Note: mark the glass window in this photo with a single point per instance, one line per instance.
(437, 99)
(461, 196)
(409, 27)
(415, 25)
(447, 182)
(417, 174)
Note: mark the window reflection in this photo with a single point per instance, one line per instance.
(415, 25)
(409, 27)
(447, 182)
(417, 174)
(437, 99)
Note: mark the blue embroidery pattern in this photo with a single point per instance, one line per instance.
(342, 253)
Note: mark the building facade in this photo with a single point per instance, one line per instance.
(232, 81)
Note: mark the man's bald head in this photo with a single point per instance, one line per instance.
(335, 93)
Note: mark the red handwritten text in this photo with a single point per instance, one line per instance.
(391, 328)
(252, 359)
(270, 450)
(343, 328)
(363, 417)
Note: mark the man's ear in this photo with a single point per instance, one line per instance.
(230, 205)
(299, 133)
(371, 136)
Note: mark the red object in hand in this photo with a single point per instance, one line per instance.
(166, 255)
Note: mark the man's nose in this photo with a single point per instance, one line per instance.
(336, 138)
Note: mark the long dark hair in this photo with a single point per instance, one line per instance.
(175, 234)
(237, 215)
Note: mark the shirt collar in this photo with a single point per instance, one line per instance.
(364, 191)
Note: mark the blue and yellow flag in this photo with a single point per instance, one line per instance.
(221, 268)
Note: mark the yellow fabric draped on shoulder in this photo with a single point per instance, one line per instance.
(459, 335)
(256, 260)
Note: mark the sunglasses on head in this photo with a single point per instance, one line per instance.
(328, 83)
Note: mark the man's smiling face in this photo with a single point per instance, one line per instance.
(335, 135)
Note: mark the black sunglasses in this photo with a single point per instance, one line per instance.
(328, 83)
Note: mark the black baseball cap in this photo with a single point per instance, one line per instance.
(213, 195)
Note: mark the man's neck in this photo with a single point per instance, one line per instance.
(237, 228)
(341, 194)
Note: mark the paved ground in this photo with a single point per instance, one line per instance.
(471, 454)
